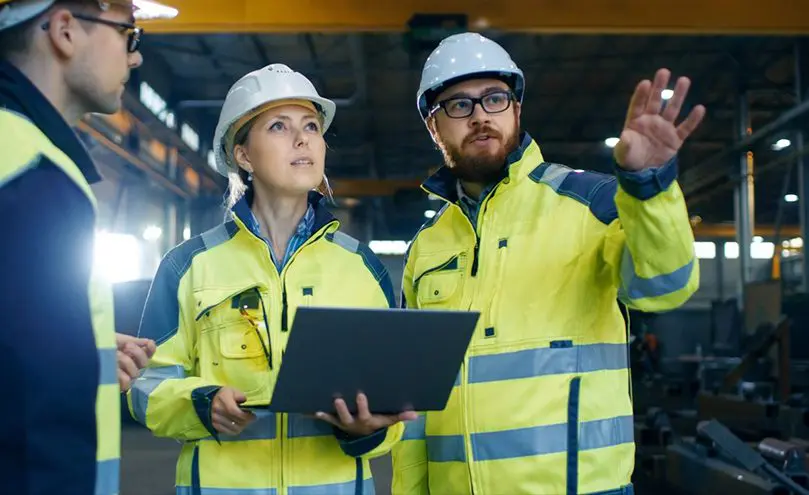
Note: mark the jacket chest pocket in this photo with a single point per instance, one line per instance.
(441, 286)
(235, 343)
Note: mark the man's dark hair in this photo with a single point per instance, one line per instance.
(16, 40)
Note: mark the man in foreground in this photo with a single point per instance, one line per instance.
(63, 367)
(543, 402)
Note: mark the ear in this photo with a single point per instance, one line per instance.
(242, 158)
(61, 29)
(432, 127)
(518, 110)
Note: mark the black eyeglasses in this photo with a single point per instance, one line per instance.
(462, 107)
(132, 31)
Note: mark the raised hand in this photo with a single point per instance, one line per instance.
(650, 137)
(364, 423)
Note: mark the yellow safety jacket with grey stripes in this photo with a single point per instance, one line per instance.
(221, 314)
(67, 419)
(542, 404)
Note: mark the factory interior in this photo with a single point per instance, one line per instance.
(722, 378)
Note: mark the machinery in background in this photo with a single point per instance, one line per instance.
(717, 461)
(741, 421)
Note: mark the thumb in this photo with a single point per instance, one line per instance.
(239, 397)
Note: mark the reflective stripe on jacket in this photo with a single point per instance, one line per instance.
(195, 312)
(25, 149)
(542, 404)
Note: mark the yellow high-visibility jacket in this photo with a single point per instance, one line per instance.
(543, 401)
(62, 367)
(211, 298)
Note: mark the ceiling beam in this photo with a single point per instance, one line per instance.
(357, 188)
(584, 16)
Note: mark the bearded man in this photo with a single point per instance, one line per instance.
(549, 256)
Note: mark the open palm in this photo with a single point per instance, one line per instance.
(650, 137)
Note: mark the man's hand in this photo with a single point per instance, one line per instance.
(133, 355)
(226, 415)
(650, 138)
(364, 423)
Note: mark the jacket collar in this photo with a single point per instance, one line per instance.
(443, 182)
(322, 216)
(18, 94)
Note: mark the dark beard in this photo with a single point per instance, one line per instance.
(480, 169)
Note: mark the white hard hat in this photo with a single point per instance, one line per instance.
(15, 12)
(253, 91)
(460, 57)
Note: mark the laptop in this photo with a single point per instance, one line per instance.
(402, 359)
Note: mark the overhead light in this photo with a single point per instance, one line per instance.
(791, 198)
(578, 171)
(611, 141)
(117, 257)
(758, 238)
(150, 10)
(666, 94)
(429, 214)
(781, 144)
(187, 233)
(152, 233)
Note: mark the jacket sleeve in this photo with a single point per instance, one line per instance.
(379, 443)
(48, 357)
(167, 398)
(409, 456)
(650, 249)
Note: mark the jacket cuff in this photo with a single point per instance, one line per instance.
(358, 446)
(647, 183)
(202, 399)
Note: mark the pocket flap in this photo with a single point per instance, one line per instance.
(209, 298)
(241, 342)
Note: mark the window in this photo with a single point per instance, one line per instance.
(189, 136)
(705, 250)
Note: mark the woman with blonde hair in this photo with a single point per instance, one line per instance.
(221, 305)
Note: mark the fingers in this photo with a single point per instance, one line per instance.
(342, 412)
(137, 354)
(148, 346)
(223, 424)
(691, 122)
(676, 102)
(408, 416)
(227, 413)
(124, 381)
(655, 100)
(328, 418)
(637, 104)
(127, 365)
(232, 410)
(363, 412)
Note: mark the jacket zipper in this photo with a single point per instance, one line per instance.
(433, 270)
(283, 418)
(475, 255)
(284, 306)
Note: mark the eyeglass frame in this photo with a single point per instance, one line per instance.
(475, 101)
(134, 33)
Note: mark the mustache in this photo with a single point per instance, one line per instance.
(487, 131)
